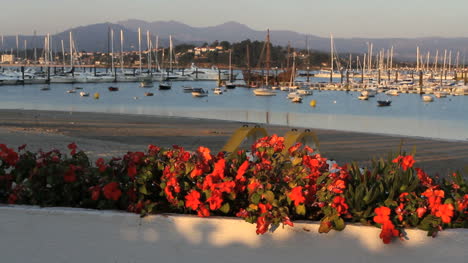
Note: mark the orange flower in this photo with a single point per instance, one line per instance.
(388, 232)
(421, 211)
(337, 186)
(192, 200)
(241, 171)
(382, 215)
(264, 208)
(445, 212)
(205, 152)
(297, 196)
(340, 205)
(215, 200)
(294, 148)
(405, 161)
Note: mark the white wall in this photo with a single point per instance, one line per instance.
(31, 234)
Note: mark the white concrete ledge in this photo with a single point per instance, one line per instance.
(32, 234)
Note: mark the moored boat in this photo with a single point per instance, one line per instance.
(113, 88)
(199, 92)
(383, 103)
(264, 92)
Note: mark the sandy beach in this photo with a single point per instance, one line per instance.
(107, 135)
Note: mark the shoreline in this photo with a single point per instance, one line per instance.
(111, 134)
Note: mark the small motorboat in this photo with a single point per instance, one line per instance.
(71, 91)
(148, 83)
(78, 88)
(188, 89)
(296, 99)
(427, 98)
(218, 91)
(230, 85)
(199, 92)
(383, 103)
(165, 85)
(363, 97)
(293, 94)
(148, 94)
(392, 92)
(45, 88)
(304, 92)
(264, 92)
(284, 88)
(440, 94)
(84, 94)
(113, 89)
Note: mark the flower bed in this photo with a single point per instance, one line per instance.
(267, 189)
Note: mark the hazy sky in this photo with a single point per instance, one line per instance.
(343, 18)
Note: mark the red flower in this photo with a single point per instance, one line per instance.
(463, 204)
(445, 212)
(215, 200)
(252, 187)
(153, 150)
(70, 175)
(203, 211)
(337, 186)
(8, 155)
(294, 148)
(382, 215)
(72, 146)
(132, 171)
(196, 172)
(192, 200)
(287, 221)
(388, 232)
(262, 225)
(405, 161)
(421, 211)
(205, 153)
(241, 171)
(101, 165)
(95, 192)
(12, 198)
(340, 205)
(264, 208)
(242, 213)
(112, 191)
(297, 195)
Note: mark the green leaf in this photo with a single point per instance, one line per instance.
(339, 223)
(296, 161)
(301, 210)
(143, 190)
(225, 208)
(255, 198)
(269, 196)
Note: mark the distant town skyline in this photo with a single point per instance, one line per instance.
(342, 18)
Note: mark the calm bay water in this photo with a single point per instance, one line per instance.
(444, 118)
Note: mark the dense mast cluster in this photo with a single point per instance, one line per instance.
(264, 186)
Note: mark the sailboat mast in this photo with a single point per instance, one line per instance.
(230, 66)
(71, 49)
(331, 58)
(436, 60)
(170, 53)
(121, 50)
(139, 46)
(148, 44)
(417, 58)
(157, 54)
(63, 52)
(112, 50)
(268, 56)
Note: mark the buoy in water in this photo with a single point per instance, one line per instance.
(313, 103)
(96, 95)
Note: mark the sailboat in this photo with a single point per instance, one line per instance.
(230, 84)
(165, 85)
(265, 91)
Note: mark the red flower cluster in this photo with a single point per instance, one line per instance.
(444, 211)
(8, 155)
(406, 162)
(388, 229)
(72, 147)
(112, 191)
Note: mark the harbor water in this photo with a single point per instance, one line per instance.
(408, 115)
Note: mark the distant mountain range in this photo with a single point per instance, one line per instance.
(95, 38)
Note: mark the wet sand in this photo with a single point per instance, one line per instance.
(106, 135)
